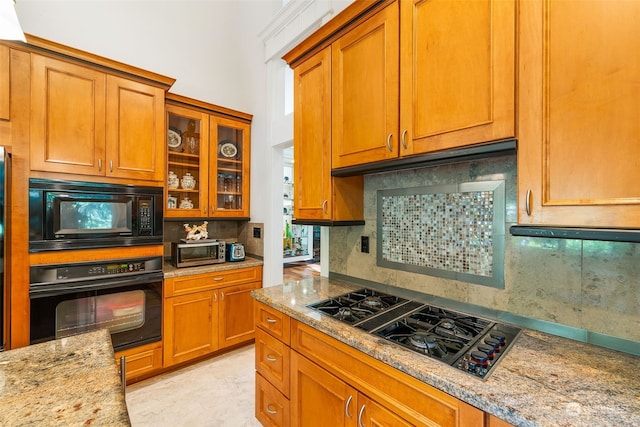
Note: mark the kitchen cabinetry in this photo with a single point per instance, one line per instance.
(319, 197)
(213, 145)
(415, 77)
(141, 362)
(273, 361)
(204, 313)
(331, 383)
(5, 87)
(578, 114)
(86, 121)
(323, 399)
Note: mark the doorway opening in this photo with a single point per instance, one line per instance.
(300, 243)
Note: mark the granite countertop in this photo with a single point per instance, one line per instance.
(69, 382)
(171, 271)
(543, 380)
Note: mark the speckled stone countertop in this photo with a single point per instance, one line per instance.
(543, 380)
(66, 382)
(171, 271)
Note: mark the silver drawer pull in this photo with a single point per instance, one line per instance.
(217, 279)
(270, 320)
(270, 358)
(269, 410)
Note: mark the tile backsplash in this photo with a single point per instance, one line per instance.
(589, 285)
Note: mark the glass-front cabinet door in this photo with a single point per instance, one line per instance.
(187, 173)
(208, 154)
(231, 158)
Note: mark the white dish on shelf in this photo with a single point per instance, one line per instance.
(228, 149)
(174, 138)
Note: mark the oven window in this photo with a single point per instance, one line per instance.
(118, 312)
(198, 252)
(90, 216)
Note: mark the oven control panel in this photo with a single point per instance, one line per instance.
(91, 270)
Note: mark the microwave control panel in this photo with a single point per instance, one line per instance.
(145, 217)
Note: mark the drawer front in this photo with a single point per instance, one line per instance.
(202, 282)
(273, 321)
(411, 399)
(272, 407)
(273, 360)
(141, 361)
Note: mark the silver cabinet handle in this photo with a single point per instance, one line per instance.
(215, 297)
(269, 410)
(324, 206)
(270, 358)
(346, 407)
(527, 202)
(99, 165)
(123, 374)
(221, 295)
(217, 279)
(389, 143)
(213, 209)
(403, 140)
(360, 424)
(111, 166)
(270, 320)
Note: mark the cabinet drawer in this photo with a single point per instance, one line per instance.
(272, 407)
(273, 359)
(141, 361)
(273, 321)
(202, 282)
(411, 399)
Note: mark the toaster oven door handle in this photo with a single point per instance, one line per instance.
(193, 245)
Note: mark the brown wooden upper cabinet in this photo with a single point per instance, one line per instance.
(579, 104)
(212, 144)
(319, 197)
(5, 87)
(88, 119)
(421, 76)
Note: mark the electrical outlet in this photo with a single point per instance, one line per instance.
(256, 232)
(364, 244)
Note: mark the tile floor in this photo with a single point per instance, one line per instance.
(217, 392)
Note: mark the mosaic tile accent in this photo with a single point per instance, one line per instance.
(451, 231)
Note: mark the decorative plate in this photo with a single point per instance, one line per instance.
(228, 149)
(174, 138)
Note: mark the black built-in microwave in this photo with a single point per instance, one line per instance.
(86, 215)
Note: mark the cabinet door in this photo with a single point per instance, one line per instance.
(457, 69)
(188, 153)
(578, 113)
(319, 196)
(230, 157)
(236, 314)
(318, 398)
(365, 91)
(5, 87)
(190, 326)
(312, 137)
(372, 414)
(135, 130)
(67, 117)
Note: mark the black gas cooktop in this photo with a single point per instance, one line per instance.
(466, 342)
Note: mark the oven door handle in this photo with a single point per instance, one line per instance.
(53, 289)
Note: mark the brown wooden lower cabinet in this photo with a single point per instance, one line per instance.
(141, 362)
(208, 312)
(319, 381)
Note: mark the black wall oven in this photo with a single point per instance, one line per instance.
(87, 215)
(124, 296)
